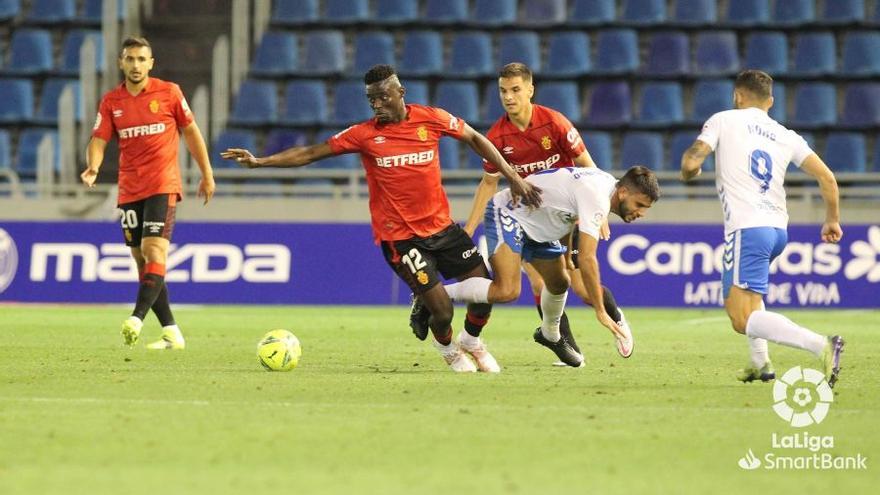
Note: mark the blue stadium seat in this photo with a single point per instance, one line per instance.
(846, 152)
(814, 54)
(422, 53)
(568, 54)
(669, 54)
(815, 105)
(591, 12)
(396, 11)
(350, 105)
(610, 104)
(494, 12)
(9, 9)
(563, 97)
(767, 51)
(277, 54)
(346, 161)
(92, 11)
(47, 113)
(694, 12)
(460, 98)
(5, 150)
(861, 54)
(644, 12)
(492, 104)
(255, 104)
(324, 53)
(793, 12)
(417, 92)
(445, 11)
(876, 155)
(28, 145)
(51, 11)
(70, 51)
(471, 54)
(717, 53)
(30, 52)
(746, 13)
(542, 12)
(17, 104)
(520, 46)
(681, 141)
(372, 48)
(778, 111)
(710, 97)
(618, 51)
(599, 146)
(294, 12)
(843, 12)
(282, 139)
(861, 105)
(450, 154)
(305, 102)
(338, 12)
(233, 138)
(661, 104)
(642, 148)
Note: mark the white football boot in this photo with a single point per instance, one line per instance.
(171, 339)
(455, 357)
(624, 345)
(131, 330)
(475, 347)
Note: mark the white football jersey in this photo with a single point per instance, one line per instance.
(567, 194)
(752, 152)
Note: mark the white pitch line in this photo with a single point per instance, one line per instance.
(707, 319)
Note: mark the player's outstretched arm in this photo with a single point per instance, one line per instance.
(488, 186)
(584, 160)
(297, 156)
(195, 143)
(520, 189)
(589, 267)
(815, 167)
(692, 160)
(94, 159)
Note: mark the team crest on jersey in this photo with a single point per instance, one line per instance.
(422, 132)
(154, 106)
(422, 277)
(546, 143)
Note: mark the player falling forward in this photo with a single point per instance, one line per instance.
(408, 206)
(146, 114)
(582, 196)
(753, 152)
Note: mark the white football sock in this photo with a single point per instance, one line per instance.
(467, 339)
(779, 329)
(552, 306)
(471, 290)
(758, 351)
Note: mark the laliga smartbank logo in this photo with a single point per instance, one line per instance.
(801, 398)
(8, 260)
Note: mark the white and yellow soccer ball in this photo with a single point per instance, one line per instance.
(279, 350)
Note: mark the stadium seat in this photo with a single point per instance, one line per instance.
(5, 150)
(492, 104)
(445, 11)
(460, 98)
(710, 97)
(599, 146)
(282, 139)
(9, 9)
(520, 46)
(47, 113)
(471, 54)
(51, 11)
(396, 11)
(542, 12)
(494, 12)
(610, 104)
(371, 48)
(450, 154)
(422, 53)
(92, 11)
(339, 12)
(668, 54)
(294, 12)
(17, 104)
(324, 53)
(846, 152)
(305, 102)
(28, 146)
(346, 161)
(661, 104)
(642, 148)
(233, 138)
(277, 54)
(618, 51)
(568, 54)
(694, 12)
(861, 105)
(350, 104)
(563, 97)
(778, 111)
(255, 104)
(746, 13)
(591, 13)
(643, 12)
(416, 92)
(681, 141)
(815, 105)
(793, 12)
(814, 54)
(861, 54)
(717, 53)
(30, 52)
(876, 156)
(767, 51)
(70, 51)
(843, 12)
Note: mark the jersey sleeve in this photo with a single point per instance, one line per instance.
(180, 108)
(567, 136)
(801, 149)
(592, 212)
(448, 124)
(103, 127)
(346, 141)
(711, 131)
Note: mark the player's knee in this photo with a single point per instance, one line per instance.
(557, 286)
(738, 322)
(507, 293)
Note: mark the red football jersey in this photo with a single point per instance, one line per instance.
(402, 161)
(550, 141)
(147, 127)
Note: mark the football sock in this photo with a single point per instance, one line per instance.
(470, 290)
(758, 351)
(779, 329)
(610, 304)
(552, 305)
(151, 284)
(443, 337)
(474, 323)
(564, 325)
(162, 307)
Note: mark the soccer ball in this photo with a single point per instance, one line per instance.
(279, 350)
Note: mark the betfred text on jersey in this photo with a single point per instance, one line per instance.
(141, 130)
(421, 158)
(527, 168)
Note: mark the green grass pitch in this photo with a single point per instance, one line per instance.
(371, 410)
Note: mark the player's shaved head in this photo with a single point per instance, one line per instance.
(516, 69)
(135, 42)
(385, 93)
(379, 73)
(756, 82)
